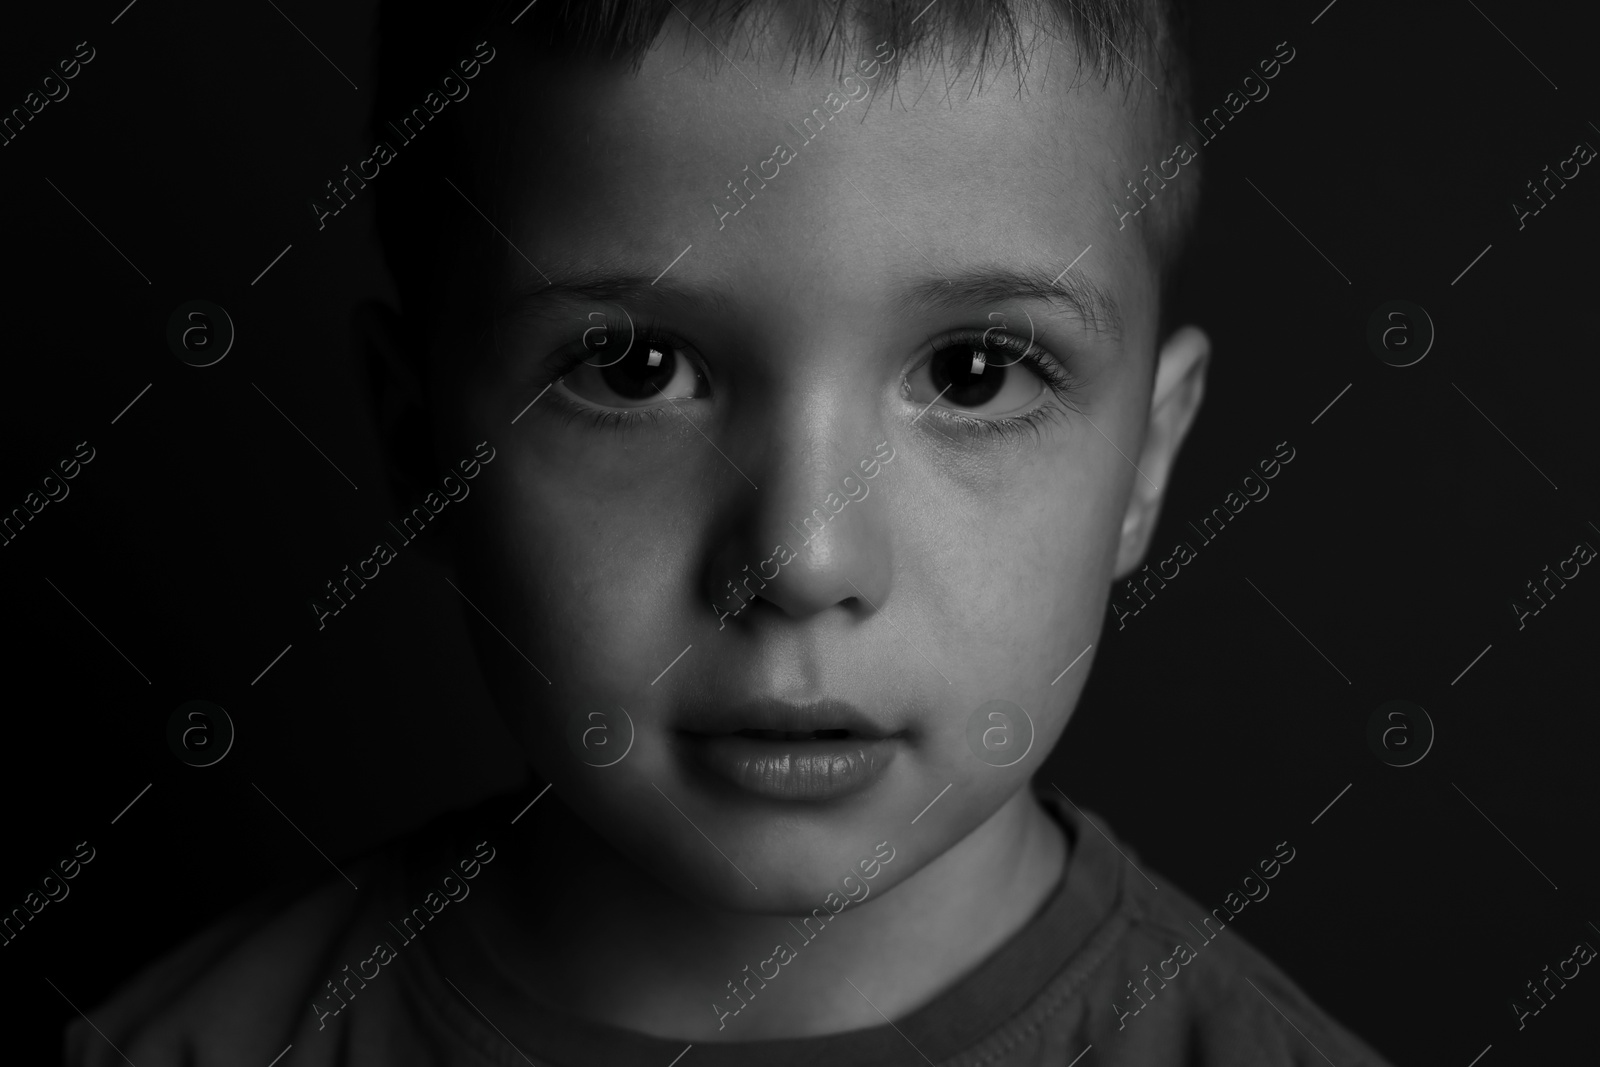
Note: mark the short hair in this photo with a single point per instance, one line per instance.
(1135, 43)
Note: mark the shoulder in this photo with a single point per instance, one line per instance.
(237, 990)
(264, 977)
(1160, 980)
(1185, 978)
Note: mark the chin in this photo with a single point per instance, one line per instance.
(727, 852)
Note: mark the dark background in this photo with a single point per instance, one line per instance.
(1211, 729)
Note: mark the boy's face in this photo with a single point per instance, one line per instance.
(840, 309)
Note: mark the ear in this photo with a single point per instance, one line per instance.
(1174, 401)
(391, 358)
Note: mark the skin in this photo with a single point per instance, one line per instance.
(976, 569)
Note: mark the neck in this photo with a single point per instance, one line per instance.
(648, 960)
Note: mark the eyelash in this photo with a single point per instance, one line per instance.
(1062, 385)
(564, 360)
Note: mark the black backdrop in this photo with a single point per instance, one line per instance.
(1382, 564)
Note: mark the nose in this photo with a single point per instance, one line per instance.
(814, 537)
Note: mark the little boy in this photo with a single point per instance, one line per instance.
(827, 391)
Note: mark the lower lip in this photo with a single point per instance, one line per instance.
(794, 770)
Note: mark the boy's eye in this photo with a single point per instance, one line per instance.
(986, 379)
(653, 370)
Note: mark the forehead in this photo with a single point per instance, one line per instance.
(841, 202)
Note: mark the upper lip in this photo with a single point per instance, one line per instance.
(781, 716)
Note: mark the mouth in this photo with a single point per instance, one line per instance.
(791, 752)
(793, 735)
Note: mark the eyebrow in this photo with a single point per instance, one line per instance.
(607, 285)
(1070, 291)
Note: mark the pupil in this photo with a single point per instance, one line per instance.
(953, 367)
(639, 374)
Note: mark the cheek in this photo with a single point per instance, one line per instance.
(592, 596)
(1024, 588)
(595, 562)
(593, 586)
(1016, 576)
